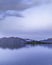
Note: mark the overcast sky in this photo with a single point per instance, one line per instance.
(26, 18)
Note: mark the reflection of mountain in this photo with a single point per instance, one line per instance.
(12, 42)
(46, 45)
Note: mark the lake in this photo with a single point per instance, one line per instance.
(29, 55)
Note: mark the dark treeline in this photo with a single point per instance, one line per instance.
(37, 42)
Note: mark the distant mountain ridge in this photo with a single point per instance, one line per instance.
(49, 40)
(15, 42)
(12, 42)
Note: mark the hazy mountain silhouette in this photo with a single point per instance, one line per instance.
(15, 42)
(49, 40)
(12, 42)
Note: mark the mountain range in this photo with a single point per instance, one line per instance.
(49, 40)
(12, 42)
(15, 42)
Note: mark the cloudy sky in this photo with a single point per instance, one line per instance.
(26, 18)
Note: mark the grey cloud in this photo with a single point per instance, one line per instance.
(36, 2)
(7, 28)
(10, 13)
(13, 5)
(19, 4)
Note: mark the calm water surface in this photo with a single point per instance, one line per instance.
(35, 55)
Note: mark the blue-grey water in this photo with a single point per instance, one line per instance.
(30, 55)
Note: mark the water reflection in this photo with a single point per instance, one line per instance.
(16, 46)
(31, 55)
(46, 45)
(42, 45)
(11, 47)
